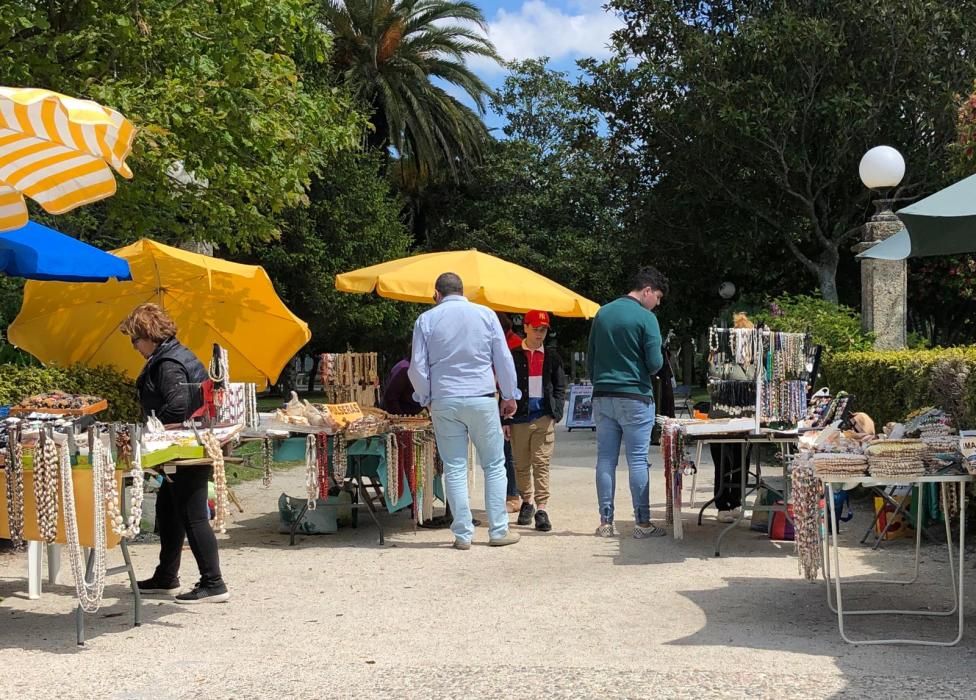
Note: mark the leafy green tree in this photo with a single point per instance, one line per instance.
(542, 196)
(353, 221)
(390, 53)
(230, 130)
(761, 111)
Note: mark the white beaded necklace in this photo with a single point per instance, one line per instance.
(221, 502)
(125, 527)
(311, 472)
(89, 594)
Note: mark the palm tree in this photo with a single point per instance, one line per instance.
(389, 51)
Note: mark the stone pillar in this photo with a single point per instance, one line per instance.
(884, 283)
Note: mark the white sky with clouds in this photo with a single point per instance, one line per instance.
(563, 30)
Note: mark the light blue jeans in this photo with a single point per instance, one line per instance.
(454, 421)
(629, 421)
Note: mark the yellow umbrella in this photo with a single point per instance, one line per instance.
(488, 280)
(211, 300)
(57, 150)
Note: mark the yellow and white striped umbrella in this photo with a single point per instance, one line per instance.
(57, 150)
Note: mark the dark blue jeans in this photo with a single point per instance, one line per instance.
(510, 471)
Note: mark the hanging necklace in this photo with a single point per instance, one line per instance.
(340, 459)
(89, 593)
(267, 458)
(131, 457)
(15, 488)
(221, 502)
(46, 487)
(311, 472)
(392, 468)
(322, 464)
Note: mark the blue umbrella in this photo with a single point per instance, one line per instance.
(37, 252)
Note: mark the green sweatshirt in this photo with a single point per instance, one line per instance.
(624, 349)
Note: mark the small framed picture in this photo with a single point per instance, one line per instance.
(579, 413)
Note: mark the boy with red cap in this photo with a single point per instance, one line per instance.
(532, 430)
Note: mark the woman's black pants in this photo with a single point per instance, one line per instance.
(182, 513)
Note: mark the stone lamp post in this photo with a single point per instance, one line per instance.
(884, 283)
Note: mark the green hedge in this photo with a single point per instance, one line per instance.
(890, 385)
(18, 382)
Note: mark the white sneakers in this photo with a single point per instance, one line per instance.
(729, 516)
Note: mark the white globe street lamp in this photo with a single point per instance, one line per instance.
(881, 168)
(884, 283)
(726, 290)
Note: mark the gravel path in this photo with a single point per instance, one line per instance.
(559, 615)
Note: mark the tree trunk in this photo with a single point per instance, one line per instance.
(827, 277)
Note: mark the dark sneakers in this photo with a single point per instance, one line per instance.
(542, 523)
(525, 513)
(214, 593)
(153, 586)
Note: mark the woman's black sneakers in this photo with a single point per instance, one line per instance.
(213, 593)
(153, 586)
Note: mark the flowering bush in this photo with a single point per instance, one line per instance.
(836, 327)
(966, 142)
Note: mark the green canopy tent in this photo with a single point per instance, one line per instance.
(941, 224)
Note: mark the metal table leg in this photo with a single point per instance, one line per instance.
(743, 477)
(957, 586)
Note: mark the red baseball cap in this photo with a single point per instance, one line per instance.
(536, 319)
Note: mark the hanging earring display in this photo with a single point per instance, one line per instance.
(46, 487)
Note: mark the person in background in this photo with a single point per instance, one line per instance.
(624, 353)
(168, 387)
(459, 350)
(398, 391)
(532, 430)
(512, 500)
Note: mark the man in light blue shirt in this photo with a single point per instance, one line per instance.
(459, 350)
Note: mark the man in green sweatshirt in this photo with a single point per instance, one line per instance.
(624, 354)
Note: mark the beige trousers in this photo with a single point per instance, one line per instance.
(532, 446)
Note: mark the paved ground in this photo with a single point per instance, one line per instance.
(559, 615)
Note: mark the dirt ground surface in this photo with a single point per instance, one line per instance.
(558, 615)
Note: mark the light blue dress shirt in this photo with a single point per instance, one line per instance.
(455, 346)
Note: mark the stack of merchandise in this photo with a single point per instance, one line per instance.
(829, 465)
(935, 428)
(374, 422)
(895, 458)
(351, 377)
